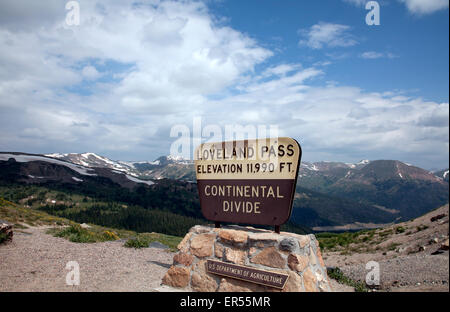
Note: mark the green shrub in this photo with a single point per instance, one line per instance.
(338, 275)
(393, 246)
(77, 234)
(421, 228)
(138, 242)
(400, 229)
(3, 238)
(386, 233)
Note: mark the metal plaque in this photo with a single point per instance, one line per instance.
(248, 274)
(249, 181)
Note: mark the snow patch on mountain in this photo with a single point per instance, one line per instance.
(28, 158)
(138, 180)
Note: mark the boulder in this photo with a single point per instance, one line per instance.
(240, 248)
(6, 231)
(444, 245)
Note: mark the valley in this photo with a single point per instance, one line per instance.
(329, 195)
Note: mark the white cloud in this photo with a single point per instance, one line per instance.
(371, 55)
(169, 62)
(159, 61)
(421, 7)
(327, 34)
(90, 72)
(359, 3)
(376, 55)
(281, 70)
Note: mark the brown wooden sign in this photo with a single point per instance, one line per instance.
(262, 277)
(250, 181)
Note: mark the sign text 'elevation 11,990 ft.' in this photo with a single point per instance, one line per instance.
(249, 181)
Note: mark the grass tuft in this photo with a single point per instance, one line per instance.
(338, 275)
(3, 237)
(137, 243)
(77, 234)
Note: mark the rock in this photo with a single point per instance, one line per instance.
(297, 262)
(303, 240)
(323, 282)
(7, 230)
(203, 283)
(264, 239)
(233, 285)
(309, 281)
(319, 256)
(177, 277)
(248, 247)
(270, 257)
(233, 237)
(184, 244)
(435, 218)
(444, 245)
(288, 244)
(312, 256)
(202, 245)
(218, 250)
(85, 226)
(183, 259)
(293, 284)
(234, 255)
(422, 248)
(252, 251)
(200, 229)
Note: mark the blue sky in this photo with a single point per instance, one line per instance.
(418, 43)
(132, 72)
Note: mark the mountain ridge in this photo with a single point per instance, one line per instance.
(328, 193)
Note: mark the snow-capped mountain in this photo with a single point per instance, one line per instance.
(93, 160)
(329, 167)
(34, 168)
(442, 174)
(164, 167)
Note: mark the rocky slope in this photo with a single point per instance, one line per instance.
(412, 255)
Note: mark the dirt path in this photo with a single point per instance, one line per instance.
(37, 262)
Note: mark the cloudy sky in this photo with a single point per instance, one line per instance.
(117, 83)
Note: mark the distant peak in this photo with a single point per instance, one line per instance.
(176, 158)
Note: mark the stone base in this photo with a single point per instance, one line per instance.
(296, 255)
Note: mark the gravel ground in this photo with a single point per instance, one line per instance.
(37, 262)
(421, 272)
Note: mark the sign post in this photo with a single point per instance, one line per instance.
(248, 181)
